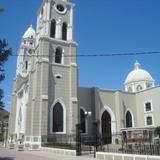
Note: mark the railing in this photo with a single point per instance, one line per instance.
(59, 141)
(123, 144)
(141, 150)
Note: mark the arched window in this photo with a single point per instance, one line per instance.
(129, 89)
(53, 29)
(64, 31)
(139, 88)
(26, 65)
(57, 118)
(58, 55)
(82, 121)
(148, 85)
(128, 119)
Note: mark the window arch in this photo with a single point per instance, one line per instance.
(113, 120)
(53, 29)
(129, 122)
(82, 121)
(139, 88)
(26, 65)
(57, 118)
(64, 31)
(129, 89)
(58, 55)
(148, 85)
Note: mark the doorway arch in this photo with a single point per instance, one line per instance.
(106, 128)
(106, 114)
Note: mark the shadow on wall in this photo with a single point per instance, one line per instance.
(6, 158)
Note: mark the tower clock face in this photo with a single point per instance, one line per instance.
(60, 8)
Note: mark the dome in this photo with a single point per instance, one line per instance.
(138, 75)
(30, 33)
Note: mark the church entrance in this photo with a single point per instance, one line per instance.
(106, 128)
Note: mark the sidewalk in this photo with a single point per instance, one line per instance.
(6, 154)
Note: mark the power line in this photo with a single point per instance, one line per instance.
(96, 55)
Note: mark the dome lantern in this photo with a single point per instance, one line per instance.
(137, 65)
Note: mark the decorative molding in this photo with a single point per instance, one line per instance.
(44, 97)
(73, 64)
(45, 60)
(74, 99)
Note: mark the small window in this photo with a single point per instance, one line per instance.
(64, 31)
(58, 55)
(129, 89)
(42, 11)
(139, 88)
(148, 85)
(58, 77)
(60, 7)
(30, 51)
(26, 65)
(82, 121)
(148, 106)
(149, 120)
(128, 119)
(53, 29)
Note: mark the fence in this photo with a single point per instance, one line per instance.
(139, 142)
(59, 141)
(129, 144)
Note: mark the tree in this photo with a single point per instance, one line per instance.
(5, 52)
(157, 131)
(1, 9)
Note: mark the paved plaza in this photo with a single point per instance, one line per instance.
(6, 154)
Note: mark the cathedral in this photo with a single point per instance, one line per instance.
(46, 98)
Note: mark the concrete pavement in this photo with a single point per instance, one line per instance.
(6, 154)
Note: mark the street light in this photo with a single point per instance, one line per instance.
(88, 114)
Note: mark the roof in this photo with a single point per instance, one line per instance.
(30, 33)
(138, 75)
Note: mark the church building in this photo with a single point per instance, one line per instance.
(46, 98)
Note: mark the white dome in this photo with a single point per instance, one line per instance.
(138, 75)
(30, 33)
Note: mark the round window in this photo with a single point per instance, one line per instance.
(61, 8)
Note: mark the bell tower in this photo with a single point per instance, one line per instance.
(55, 19)
(55, 69)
